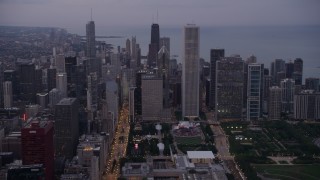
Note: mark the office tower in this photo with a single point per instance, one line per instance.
(138, 55)
(43, 99)
(51, 78)
(274, 104)
(152, 97)
(27, 83)
(60, 63)
(289, 69)
(215, 55)
(277, 70)
(128, 48)
(163, 72)
(11, 75)
(165, 41)
(298, 70)
(190, 71)
(7, 94)
(251, 59)
(267, 83)
(61, 83)
(254, 91)
(154, 45)
(91, 40)
(38, 80)
(37, 146)
(307, 106)
(229, 88)
(134, 48)
(312, 83)
(71, 70)
(1, 84)
(138, 92)
(287, 92)
(66, 127)
(54, 97)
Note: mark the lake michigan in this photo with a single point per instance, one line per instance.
(265, 42)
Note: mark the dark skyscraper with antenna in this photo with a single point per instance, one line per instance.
(91, 39)
(154, 45)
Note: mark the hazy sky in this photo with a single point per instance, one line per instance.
(73, 14)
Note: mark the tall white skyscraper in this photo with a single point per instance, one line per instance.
(7, 94)
(61, 83)
(190, 71)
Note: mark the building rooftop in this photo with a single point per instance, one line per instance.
(66, 101)
(200, 154)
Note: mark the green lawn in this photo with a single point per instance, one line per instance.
(287, 172)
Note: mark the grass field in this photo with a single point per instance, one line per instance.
(286, 172)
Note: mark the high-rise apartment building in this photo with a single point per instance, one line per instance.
(229, 88)
(274, 104)
(190, 71)
(66, 127)
(307, 105)
(254, 91)
(287, 93)
(37, 146)
(289, 69)
(298, 70)
(313, 84)
(215, 55)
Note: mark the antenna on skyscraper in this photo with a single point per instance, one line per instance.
(91, 14)
(157, 17)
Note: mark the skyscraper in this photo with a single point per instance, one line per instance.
(51, 78)
(154, 45)
(298, 70)
(128, 47)
(289, 69)
(27, 83)
(215, 55)
(229, 88)
(313, 83)
(165, 41)
(274, 104)
(190, 71)
(287, 93)
(163, 71)
(37, 145)
(278, 71)
(7, 94)
(61, 83)
(91, 40)
(152, 97)
(254, 91)
(307, 105)
(66, 127)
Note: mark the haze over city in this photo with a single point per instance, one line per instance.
(159, 89)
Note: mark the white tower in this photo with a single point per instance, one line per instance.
(190, 71)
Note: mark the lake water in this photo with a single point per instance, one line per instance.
(266, 43)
